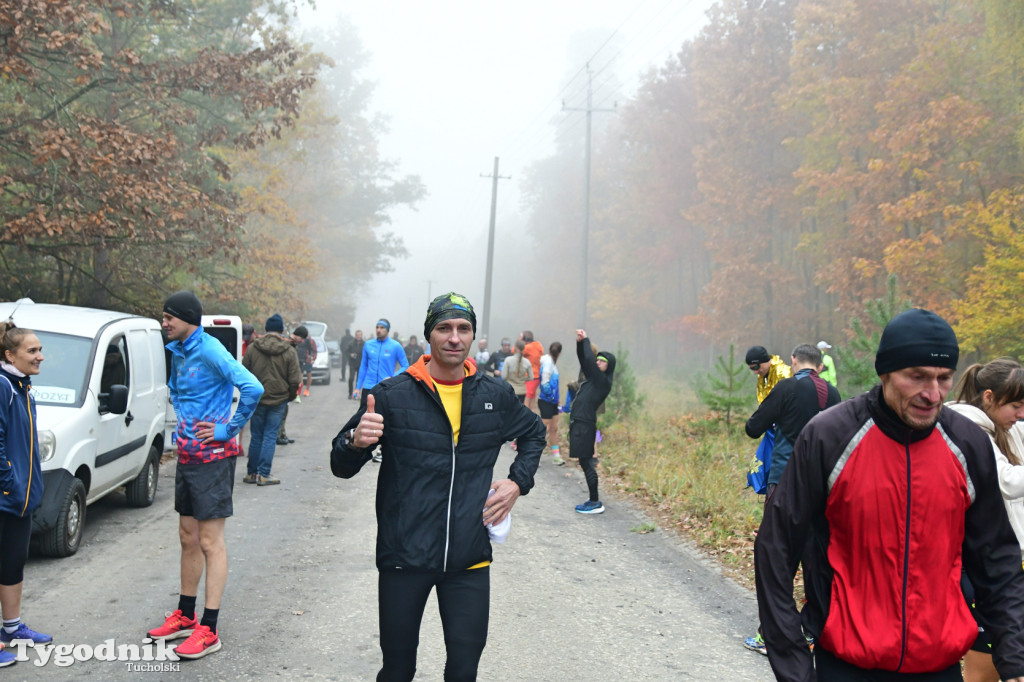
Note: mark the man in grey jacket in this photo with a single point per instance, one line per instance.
(272, 359)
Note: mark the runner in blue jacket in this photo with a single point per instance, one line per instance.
(202, 381)
(379, 358)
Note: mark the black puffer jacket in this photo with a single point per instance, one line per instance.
(430, 494)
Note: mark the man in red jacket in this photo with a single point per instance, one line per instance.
(891, 495)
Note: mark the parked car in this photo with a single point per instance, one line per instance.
(334, 350)
(101, 397)
(322, 363)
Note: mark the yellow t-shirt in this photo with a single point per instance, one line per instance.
(451, 398)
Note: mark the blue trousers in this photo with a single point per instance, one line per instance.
(263, 428)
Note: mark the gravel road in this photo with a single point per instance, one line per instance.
(573, 597)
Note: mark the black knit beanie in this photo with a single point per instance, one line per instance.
(757, 354)
(916, 338)
(274, 324)
(185, 306)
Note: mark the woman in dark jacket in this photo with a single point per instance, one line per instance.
(21, 476)
(599, 372)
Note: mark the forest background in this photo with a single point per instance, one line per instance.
(759, 187)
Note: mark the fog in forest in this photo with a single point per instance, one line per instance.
(463, 83)
(760, 173)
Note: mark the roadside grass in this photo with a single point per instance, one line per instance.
(689, 471)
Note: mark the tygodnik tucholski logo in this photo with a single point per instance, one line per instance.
(150, 656)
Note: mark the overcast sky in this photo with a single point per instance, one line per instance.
(463, 82)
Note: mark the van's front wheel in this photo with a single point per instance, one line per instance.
(141, 491)
(63, 539)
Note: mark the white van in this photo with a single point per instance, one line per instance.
(101, 396)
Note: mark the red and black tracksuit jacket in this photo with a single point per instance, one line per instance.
(889, 515)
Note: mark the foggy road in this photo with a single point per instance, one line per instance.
(572, 597)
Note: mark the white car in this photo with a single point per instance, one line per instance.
(101, 397)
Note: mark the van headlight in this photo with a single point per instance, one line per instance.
(47, 446)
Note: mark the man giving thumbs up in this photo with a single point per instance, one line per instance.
(440, 426)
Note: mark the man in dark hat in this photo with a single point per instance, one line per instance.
(440, 426)
(273, 361)
(770, 370)
(202, 382)
(306, 349)
(891, 494)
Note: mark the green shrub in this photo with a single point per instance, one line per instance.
(625, 399)
(726, 391)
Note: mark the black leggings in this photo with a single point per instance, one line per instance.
(581, 446)
(15, 533)
(463, 598)
(834, 669)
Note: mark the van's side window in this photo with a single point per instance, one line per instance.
(115, 369)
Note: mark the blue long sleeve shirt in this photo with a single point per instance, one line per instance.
(379, 358)
(202, 382)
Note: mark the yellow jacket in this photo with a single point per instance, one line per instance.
(776, 373)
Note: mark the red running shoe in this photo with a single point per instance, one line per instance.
(201, 642)
(175, 627)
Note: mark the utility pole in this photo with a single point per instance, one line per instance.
(490, 247)
(585, 241)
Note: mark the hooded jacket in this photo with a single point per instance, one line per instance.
(21, 474)
(430, 491)
(1011, 476)
(887, 515)
(595, 388)
(273, 361)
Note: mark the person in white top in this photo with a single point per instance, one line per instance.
(992, 396)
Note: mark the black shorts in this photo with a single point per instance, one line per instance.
(203, 491)
(547, 410)
(306, 367)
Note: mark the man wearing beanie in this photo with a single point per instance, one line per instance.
(440, 426)
(770, 370)
(202, 381)
(306, 349)
(272, 360)
(890, 494)
(380, 355)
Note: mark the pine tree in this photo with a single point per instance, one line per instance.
(859, 358)
(724, 391)
(625, 398)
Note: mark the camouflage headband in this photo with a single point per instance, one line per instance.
(446, 307)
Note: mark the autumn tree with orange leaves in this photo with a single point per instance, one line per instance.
(111, 191)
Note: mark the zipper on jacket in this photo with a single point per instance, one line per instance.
(31, 444)
(906, 562)
(451, 480)
(451, 490)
